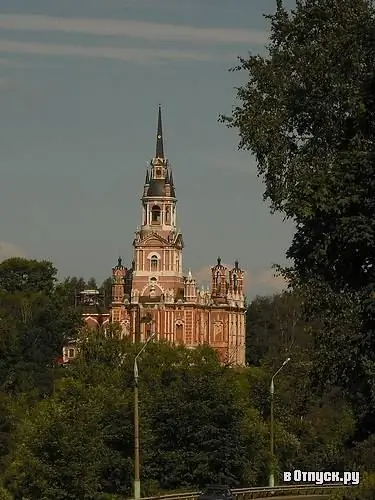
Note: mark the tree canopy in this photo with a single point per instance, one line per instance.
(307, 113)
(200, 422)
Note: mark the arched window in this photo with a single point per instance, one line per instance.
(154, 263)
(155, 214)
(179, 332)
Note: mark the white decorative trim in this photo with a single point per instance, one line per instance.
(153, 254)
(151, 285)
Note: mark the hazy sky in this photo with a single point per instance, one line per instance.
(80, 81)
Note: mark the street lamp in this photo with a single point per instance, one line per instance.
(272, 390)
(137, 481)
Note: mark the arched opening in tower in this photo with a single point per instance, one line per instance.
(155, 214)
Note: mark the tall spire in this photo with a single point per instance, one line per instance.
(159, 138)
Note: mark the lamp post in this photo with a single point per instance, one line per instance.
(272, 390)
(137, 480)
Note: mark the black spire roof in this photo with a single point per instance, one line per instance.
(159, 138)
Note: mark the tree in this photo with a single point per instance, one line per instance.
(106, 290)
(27, 276)
(308, 115)
(74, 445)
(69, 289)
(275, 329)
(91, 284)
(365, 491)
(35, 323)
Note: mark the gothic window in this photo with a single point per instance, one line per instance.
(71, 353)
(155, 215)
(154, 263)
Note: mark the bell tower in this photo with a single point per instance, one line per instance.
(158, 242)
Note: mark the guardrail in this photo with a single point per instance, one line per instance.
(262, 492)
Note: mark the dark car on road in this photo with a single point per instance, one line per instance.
(216, 493)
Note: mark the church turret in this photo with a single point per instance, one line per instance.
(190, 288)
(219, 281)
(235, 291)
(118, 284)
(236, 276)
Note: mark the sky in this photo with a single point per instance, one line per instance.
(80, 83)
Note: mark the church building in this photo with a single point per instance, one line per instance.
(154, 294)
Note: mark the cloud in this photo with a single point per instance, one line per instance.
(132, 28)
(8, 250)
(148, 55)
(203, 275)
(269, 278)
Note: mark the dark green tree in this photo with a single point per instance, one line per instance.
(77, 444)
(35, 323)
(91, 284)
(275, 329)
(27, 276)
(307, 113)
(69, 290)
(106, 291)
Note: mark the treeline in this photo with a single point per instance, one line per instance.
(68, 432)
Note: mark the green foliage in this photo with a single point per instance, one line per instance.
(75, 445)
(278, 319)
(106, 290)
(365, 491)
(27, 276)
(35, 324)
(307, 112)
(69, 289)
(4, 494)
(323, 434)
(197, 403)
(69, 432)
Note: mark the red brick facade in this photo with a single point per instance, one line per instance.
(155, 295)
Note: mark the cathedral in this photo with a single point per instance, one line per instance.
(154, 294)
